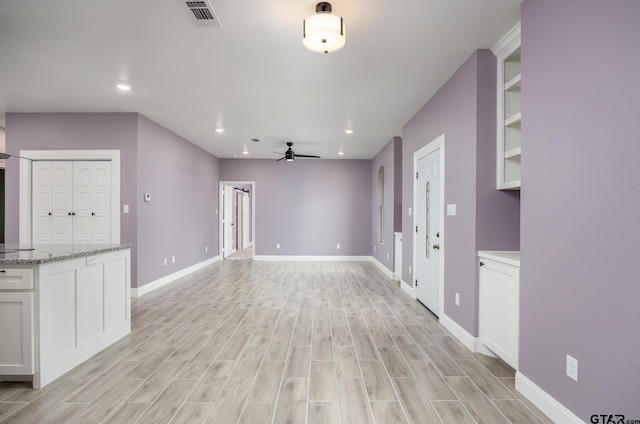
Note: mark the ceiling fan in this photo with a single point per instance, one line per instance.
(290, 155)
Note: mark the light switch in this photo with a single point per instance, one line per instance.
(451, 209)
(125, 208)
(410, 211)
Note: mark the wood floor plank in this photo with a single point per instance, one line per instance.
(257, 413)
(481, 408)
(228, 407)
(376, 381)
(354, 408)
(415, 402)
(453, 411)
(322, 386)
(323, 413)
(292, 403)
(388, 412)
(267, 384)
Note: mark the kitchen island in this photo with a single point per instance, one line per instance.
(60, 304)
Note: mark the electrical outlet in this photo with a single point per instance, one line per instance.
(572, 368)
(277, 245)
(457, 299)
(165, 261)
(410, 211)
(338, 246)
(409, 269)
(125, 208)
(173, 259)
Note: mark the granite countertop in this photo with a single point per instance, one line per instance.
(40, 253)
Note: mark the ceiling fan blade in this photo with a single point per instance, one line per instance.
(278, 160)
(307, 156)
(277, 153)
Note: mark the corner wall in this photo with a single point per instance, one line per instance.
(464, 109)
(580, 209)
(181, 218)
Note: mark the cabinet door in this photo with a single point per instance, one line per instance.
(500, 309)
(16, 333)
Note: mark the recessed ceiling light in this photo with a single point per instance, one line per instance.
(349, 131)
(234, 156)
(123, 87)
(341, 153)
(219, 130)
(245, 152)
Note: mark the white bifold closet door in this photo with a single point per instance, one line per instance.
(71, 201)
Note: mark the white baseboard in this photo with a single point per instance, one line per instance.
(383, 268)
(472, 343)
(310, 258)
(460, 333)
(547, 404)
(149, 287)
(408, 288)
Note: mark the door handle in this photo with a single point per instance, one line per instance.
(436, 246)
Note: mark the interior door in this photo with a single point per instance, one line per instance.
(428, 209)
(245, 220)
(227, 221)
(239, 221)
(52, 194)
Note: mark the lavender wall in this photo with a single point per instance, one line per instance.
(579, 278)
(181, 218)
(308, 205)
(74, 131)
(464, 110)
(387, 158)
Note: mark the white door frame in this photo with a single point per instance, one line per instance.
(432, 146)
(25, 212)
(253, 215)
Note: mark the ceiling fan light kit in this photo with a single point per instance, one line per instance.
(323, 32)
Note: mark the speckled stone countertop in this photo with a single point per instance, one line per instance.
(29, 254)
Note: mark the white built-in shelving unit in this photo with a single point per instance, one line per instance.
(509, 149)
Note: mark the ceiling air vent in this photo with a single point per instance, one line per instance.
(203, 12)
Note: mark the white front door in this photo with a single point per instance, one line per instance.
(227, 221)
(427, 217)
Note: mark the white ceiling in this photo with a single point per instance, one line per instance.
(252, 76)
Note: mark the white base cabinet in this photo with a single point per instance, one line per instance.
(499, 306)
(73, 309)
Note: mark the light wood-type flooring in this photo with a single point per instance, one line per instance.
(279, 342)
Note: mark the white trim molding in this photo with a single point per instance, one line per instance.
(383, 268)
(149, 287)
(312, 258)
(25, 212)
(408, 289)
(545, 402)
(471, 342)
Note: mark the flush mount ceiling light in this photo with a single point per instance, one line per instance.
(219, 130)
(323, 32)
(123, 87)
(348, 131)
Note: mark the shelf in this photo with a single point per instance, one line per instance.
(513, 153)
(513, 120)
(510, 185)
(513, 84)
